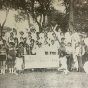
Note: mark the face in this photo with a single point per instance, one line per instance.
(11, 38)
(34, 30)
(11, 34)
(70, 33)
(4, 42)
(59, 30)
(62, 40)
(14, 30)
(21, 45)
(15, 40)
(11, 45)
(8, 30)
(62, 55)
(62, 44)
(40, 45)
(19, 55)
(69, 44)
(52, 42)
(62, 34)
(3, 34)
(21, 38)
(24, 39)
(29, 34)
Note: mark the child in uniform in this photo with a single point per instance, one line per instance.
(3, 56)
(11, 57)
(18, 64)
(63, 63)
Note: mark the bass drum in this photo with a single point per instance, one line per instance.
(86, 67)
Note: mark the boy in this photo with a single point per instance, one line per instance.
(63, 63)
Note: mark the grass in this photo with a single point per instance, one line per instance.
(47, 79)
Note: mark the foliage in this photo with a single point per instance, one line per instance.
(81, 16)
(44, 8)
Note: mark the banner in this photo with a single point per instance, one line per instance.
(46, 61)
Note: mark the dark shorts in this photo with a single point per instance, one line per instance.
(2, 57)
(10, 63)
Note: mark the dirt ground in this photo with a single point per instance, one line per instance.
(46, 79)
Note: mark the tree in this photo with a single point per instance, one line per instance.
(71, 16)
(37, 9)
(80, 15)
(77, 13)
(4, 5)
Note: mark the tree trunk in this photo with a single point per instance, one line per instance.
(39, 24)
(32, 4)
(43, 22)
(41, 17)
(7, 12)
(71, 17)
(28, 18)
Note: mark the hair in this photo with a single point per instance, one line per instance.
(4, 40)
(21, 43)
(3, 32)
(29, 32)
(69, 43)
(18, 54)
(11, 43)
(11, 33)
(62, 38)
(62, 43)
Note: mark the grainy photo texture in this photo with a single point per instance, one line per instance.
(43, 43)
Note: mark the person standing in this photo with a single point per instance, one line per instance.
(75, 40)
(28, 41)
(11, 57)
(18, 64)
(79, 56)
(69, 56)
(3, 57)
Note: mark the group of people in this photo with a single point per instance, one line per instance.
(71, 48)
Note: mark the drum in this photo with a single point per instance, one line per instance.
(86, 67)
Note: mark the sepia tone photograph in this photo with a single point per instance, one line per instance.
(43, 43)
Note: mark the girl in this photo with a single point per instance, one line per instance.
(18, 64)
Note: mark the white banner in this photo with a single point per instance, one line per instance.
(46, 61)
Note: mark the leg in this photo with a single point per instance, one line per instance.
(4, 64)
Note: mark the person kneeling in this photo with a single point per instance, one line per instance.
(63, 63)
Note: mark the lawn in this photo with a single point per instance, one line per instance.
(46, 79)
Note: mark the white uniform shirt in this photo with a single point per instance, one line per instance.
(34, 36)
(68, 50)
(40, 51)
(75, 37)
(67, 37)
(86, 41)
(63, 61)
